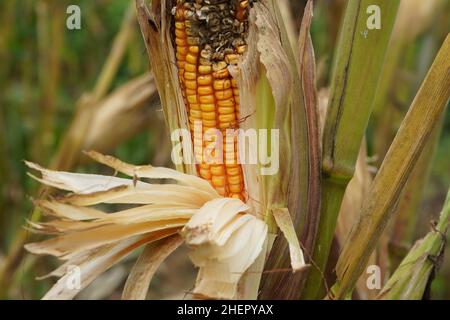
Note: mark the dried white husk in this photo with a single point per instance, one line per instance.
(92, 240)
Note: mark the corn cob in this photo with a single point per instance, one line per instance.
(210, 36)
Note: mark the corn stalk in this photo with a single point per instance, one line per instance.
(357, 69)
(425, 111)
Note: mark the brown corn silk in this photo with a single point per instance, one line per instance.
(209, 37)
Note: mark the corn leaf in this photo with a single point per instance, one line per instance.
(357, 68)
(148, 263)
(423, 115)
(413, 276)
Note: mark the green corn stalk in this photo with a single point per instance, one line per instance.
(357, 69)
(420, 121)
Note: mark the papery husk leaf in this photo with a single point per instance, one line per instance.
(92, 266)
(62, 210)
(220, 274)
(94, 189)
(284, 222)
(225, 242)
(94, 240)
(155, 28)
(155, 194)
(138, 281)
(205, 225)
(295, 158)
(151, 172)
(307, 70)
(145, 213)
(75, 242)
(80, 183)
(132, 106)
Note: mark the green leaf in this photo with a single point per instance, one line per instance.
(357, 69)
(414, 274)
(415, 130)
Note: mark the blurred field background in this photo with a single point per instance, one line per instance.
(63, 91)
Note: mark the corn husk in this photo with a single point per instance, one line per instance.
(226, 243)
(222, 235)
(268, 80)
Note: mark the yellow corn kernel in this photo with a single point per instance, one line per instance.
(218, 181)
(208, 115)
(189, 75)
(233, 171)
(208, 124)
(220, 190)
(193, 49)
(241, 49)
(221, 65)
(217, 170)
(225, 94)
(221, 74)
(192, 99)
(204, 69)
(182, 51)
(181, 42)
(180, 25)
(205, 173)
(232, 58)
(234, 180)
(236, 188)
(191, 84)
(208, 107)
(226, 110)
(226, 103)
(191, 92)
(227, 117)
(191, 58)
(181, 59)
(206, 99)
(180, 33)
(191, 68)
(222, 84)
(204, 80)
(205, 90)
(195, 114)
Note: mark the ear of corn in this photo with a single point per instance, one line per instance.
(262, 73)
(210, 93)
